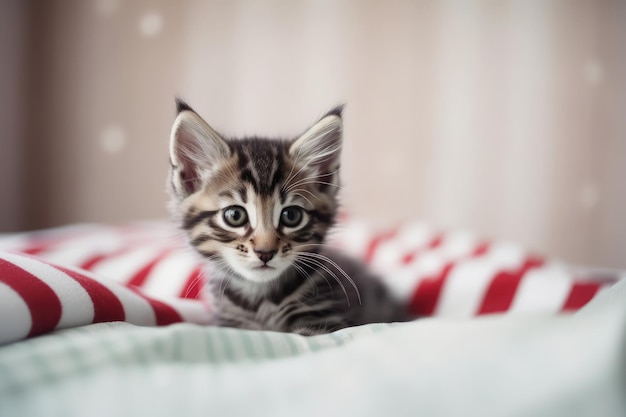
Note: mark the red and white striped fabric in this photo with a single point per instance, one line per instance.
(142, 273)
(85, 274)
(456, 274)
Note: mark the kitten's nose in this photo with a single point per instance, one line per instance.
(265, 255)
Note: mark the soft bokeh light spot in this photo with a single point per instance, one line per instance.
(113, 139)
(151, 24)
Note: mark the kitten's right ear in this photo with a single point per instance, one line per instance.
(195, 148)
(319, 147)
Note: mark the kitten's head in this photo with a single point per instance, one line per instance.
(251, 205)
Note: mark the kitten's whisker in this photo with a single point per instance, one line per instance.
(331, 273)
(309, 244)
(225, 281)
(308, 277)
(330, 184)
(306, 191)
(313, 177)
(224, 269)
(287, 184)
(307, 180)
(316, 264)
(307, 200)
(305, 263)
(196, 280)
(333, 263)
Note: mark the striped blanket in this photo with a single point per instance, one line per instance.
(143, 274)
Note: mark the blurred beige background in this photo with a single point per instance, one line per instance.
(504, 117)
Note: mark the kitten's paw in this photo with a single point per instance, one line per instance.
(315, 329)
(306, 331)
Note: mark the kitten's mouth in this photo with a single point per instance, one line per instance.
(264, 267)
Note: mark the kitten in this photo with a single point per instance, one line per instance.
(258, 211)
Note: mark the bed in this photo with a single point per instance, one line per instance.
(111, 320)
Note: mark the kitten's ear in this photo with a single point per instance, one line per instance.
(195, 148)
(320, 147)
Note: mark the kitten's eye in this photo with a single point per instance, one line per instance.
(235, 216)
(291, 216)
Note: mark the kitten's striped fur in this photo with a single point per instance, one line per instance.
(258, 211)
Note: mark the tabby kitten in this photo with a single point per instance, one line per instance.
(258, 211)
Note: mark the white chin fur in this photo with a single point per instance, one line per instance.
(249, 270)
(261, 275)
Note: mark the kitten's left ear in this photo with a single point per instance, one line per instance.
(195, 149)
(320, 147)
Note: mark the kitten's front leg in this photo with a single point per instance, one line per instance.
(305, 331)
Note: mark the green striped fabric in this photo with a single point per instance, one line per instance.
(41, 364)
(79, 350)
